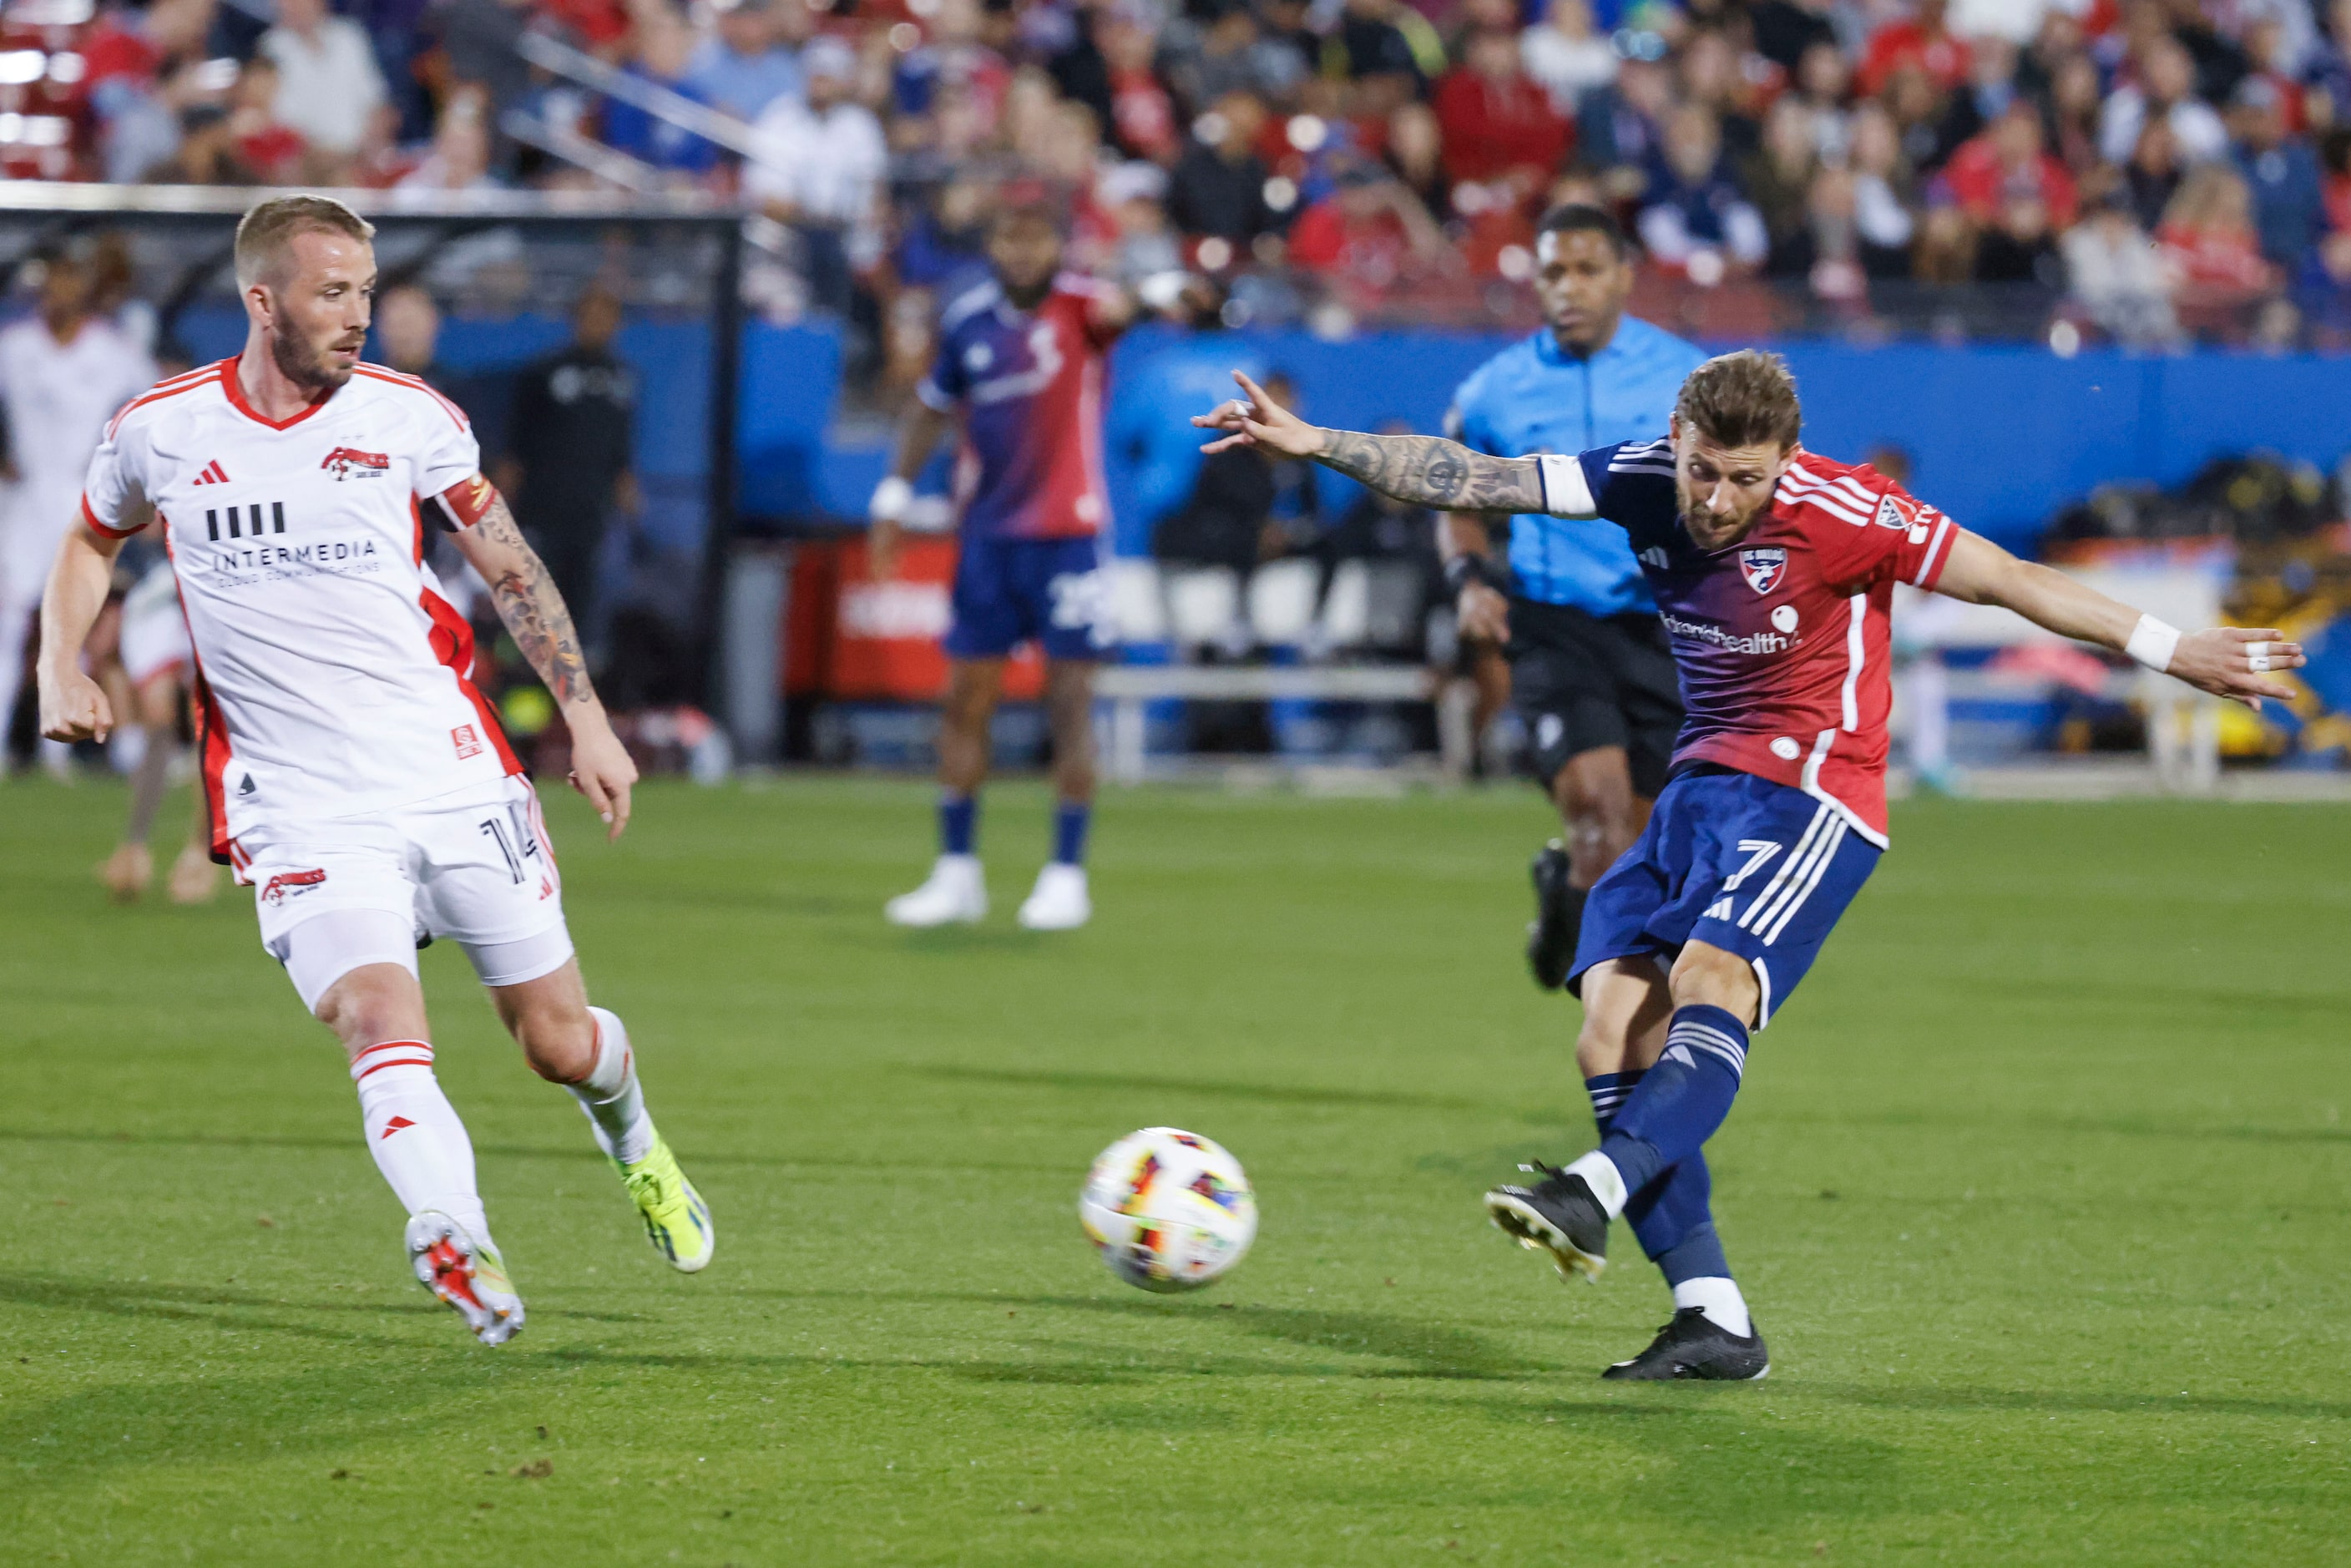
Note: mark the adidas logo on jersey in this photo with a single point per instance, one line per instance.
(213, 474)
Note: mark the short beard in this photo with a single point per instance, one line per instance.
(1691, 509)
(313, 372)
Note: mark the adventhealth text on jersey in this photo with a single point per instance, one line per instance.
(1773, 570)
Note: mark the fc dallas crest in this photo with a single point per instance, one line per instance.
(1764, 566)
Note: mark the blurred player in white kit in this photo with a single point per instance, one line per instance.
(64, 371)
(353, 775)
(148, 682)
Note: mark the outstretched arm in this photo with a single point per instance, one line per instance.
(541, 625)
(2226, 661)
(1421, 470)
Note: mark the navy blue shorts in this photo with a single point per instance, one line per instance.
(1007, 592)
(1754, 868)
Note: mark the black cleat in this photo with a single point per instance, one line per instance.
(1558, 1215)
(1559, 917)
(1694, 1346)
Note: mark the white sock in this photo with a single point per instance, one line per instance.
(1719, 1299)
(610, 1096)
(412, 1130)
(1600, 1174)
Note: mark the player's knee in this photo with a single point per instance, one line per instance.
(548, 1018)
(1707, 976)
(559, 1040)
(372, 1004)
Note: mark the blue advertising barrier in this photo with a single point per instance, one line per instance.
(1999, 436)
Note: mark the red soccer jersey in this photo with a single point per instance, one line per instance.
(1785, 640)
(1030, 387)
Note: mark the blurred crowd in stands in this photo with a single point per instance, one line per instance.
(2161, 169)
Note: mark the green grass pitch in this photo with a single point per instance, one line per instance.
(2039, 1190)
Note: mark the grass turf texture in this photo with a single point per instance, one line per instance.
(2038, 1190)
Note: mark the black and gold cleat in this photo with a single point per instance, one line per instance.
(1558, 1215)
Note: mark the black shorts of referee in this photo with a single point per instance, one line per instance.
(1581, 682)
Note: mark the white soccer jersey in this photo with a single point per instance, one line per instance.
(58, 397)
(333, 676)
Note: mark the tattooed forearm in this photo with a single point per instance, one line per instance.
(533, 610)
(1429, 471)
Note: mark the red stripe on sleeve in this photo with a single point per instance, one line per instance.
(104, 530)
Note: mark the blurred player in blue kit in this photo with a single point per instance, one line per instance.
(1591, 673)
(1019, 369)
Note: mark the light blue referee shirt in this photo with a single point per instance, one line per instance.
(1531, 398)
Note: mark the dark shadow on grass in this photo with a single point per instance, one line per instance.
(1713, 1461)
(587, 1154)
(228, 1309)
(1274, 1093)
(1432, 1350)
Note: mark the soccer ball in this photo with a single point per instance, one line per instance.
(1168, 1210)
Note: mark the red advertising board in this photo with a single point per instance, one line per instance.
(852, 638)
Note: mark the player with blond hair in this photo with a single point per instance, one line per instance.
(353, 776)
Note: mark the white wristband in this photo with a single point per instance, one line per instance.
(2152, 643)
(890, 498)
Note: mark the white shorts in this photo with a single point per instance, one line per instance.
(154, 632)
(474, 866)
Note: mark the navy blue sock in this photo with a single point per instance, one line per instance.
(1673, 1217)
(1609, 1091)
(959, 822)
(1696, 1256)
(1682, 1100)
(1672, 1210)
(1070, 823)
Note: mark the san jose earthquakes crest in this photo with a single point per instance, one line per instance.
(1764, 566)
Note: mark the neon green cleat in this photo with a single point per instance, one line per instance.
(678, 1222)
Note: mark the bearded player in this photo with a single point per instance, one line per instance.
(1773, 570)
(1020, 368)
(354, 778)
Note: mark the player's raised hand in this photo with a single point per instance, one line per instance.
(1256, 420)
(73, 706)
(602, 770)
(2237, 663)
